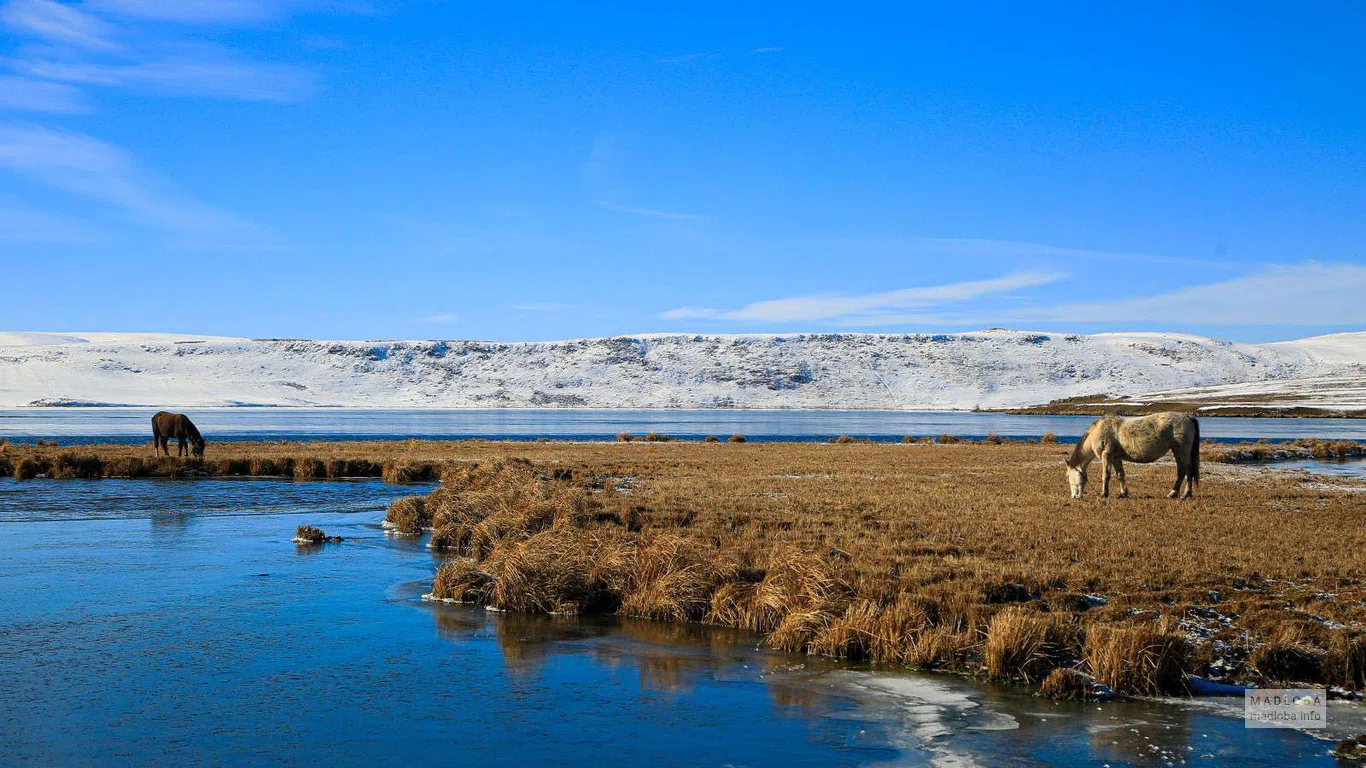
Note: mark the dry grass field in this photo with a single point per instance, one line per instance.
(953, 555)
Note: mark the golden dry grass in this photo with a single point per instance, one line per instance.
(916, 553)
(920, 554)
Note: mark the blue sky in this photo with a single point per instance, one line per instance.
(514, 171)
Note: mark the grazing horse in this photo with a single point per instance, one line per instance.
(176, 425)
(1144, 439)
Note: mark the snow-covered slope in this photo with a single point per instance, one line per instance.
(990, 369)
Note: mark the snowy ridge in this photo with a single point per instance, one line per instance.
(989, 369)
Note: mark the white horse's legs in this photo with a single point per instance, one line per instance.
(1181, 472)
(1105, 476)
(1123, 481)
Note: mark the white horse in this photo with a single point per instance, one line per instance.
(1144, 439)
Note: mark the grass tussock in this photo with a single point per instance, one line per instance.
(308, 534)
(1027, 645)
(1286, 656)
(1143, 659)
(309, 468)
(1068, 684)
(463, 581)
(408, 515)
(736, 439)
(1344, 664)
(669, 578)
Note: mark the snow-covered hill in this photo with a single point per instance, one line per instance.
(990, 369)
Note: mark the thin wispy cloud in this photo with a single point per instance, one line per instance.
(543, 306)
(63, 53)
(768, 49)
(58, 23)
(1305, 294)
(866, 309)
(1015, 249)
(90, 168)
(985, 249)
(1309, 293)
(600, 173)
(222, 12)
(653, 213)
(180, 70)
(21, 93)
(134, 44)
(21, 225)
(446, 318)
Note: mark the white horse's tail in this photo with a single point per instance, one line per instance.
(1195, 454)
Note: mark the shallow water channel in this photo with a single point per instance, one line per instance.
(173, 623)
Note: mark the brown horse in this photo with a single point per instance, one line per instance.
(168, 425)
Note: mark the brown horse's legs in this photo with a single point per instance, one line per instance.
(1105, 476)
(1190, 484)
(1123, 481)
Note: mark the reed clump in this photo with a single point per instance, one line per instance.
(1027, 645)
(408, 515)
(1069, 684)
(668, 577)
(1141, 659)
(461, 580)
(309, 468)
(308, 534)
(1286, 656)
(69, 464)
(1344, 664)
(30, 467)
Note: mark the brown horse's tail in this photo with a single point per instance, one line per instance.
(1195, 454)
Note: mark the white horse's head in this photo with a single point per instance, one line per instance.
(1076, 480)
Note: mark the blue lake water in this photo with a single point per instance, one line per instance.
(173, 623)
(75, 425)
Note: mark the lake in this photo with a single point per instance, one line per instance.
(173, 622)
(133, 425)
